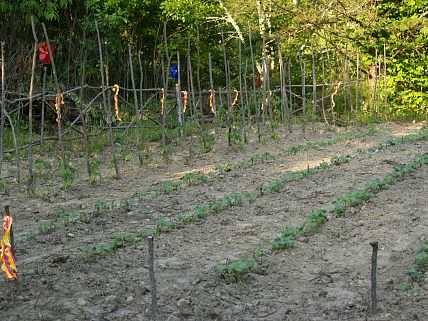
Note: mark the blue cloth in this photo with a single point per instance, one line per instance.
(173, 72)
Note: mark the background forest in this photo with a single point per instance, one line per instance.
(369, 27)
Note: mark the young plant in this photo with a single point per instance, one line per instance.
(67, 172)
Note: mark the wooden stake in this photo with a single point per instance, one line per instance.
(357, 87)
(373, 278)
(385, 95)
(137, 109)
(58, 93)
(314, 80)
(30, 110)
(3, 107)
(281, 78)
(152, 278)
(256, 105)
(323, 89)
(108, 110)
(81, 111)
(42, 129)
(290, 88)
(241, 99)
(303, 77)
(180, 113)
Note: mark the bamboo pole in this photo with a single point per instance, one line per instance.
(108, 110)
(375, 88)
(241, 99)
(379, 91)
(178, 96)
(198, 71)
(3, 107)
(247, 104)
(191, 97)
(15, 145)
(330, 86)
(281, 78)
(357, 87)
(141, 78)
(256, 106)
(290, 100)
(42, 129)
(137, 109)
(314, 80)
(152, 279)
(269, 98)
(166, 80)
(82, 113)
(58, 93)
(229, 100)
(211, 81)
(30, 110)
(384, 78)
(323, 89)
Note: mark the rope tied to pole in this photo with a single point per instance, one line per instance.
(115, 89)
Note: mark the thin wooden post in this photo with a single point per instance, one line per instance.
(30, 110)
(3, 107)
(82, 113)
(303, 78)
(12, 238)
(153, 291)
(281, 78)
(290, 101)
(380, 90)
(374, 278)
(357, 87)
(375, 87)
(244, 131)
(385, 94)
(211, 82)
(247, 104)
(330, 85)
(314, 80)
(191, 97)
(229, 100)
(256, 106)
(323, 88)
(178, 97)
(108, 110)
(42, 129)
(137, 108)
(141, 79)
(58, 93)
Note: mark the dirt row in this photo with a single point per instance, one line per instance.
(136, 179)
(115, 287)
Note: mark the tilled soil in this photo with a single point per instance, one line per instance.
(324, 277)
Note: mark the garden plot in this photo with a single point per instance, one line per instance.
(114, 286)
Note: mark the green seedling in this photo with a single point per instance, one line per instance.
(237, 270)
(43, 169)
(166, 188)
(67, 217)
(100, 205)
(67, 172)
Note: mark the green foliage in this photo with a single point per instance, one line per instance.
(237, 269)
(46, 10)
(194, 178)
(67, 172)
(43, 169)
(67, 217)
